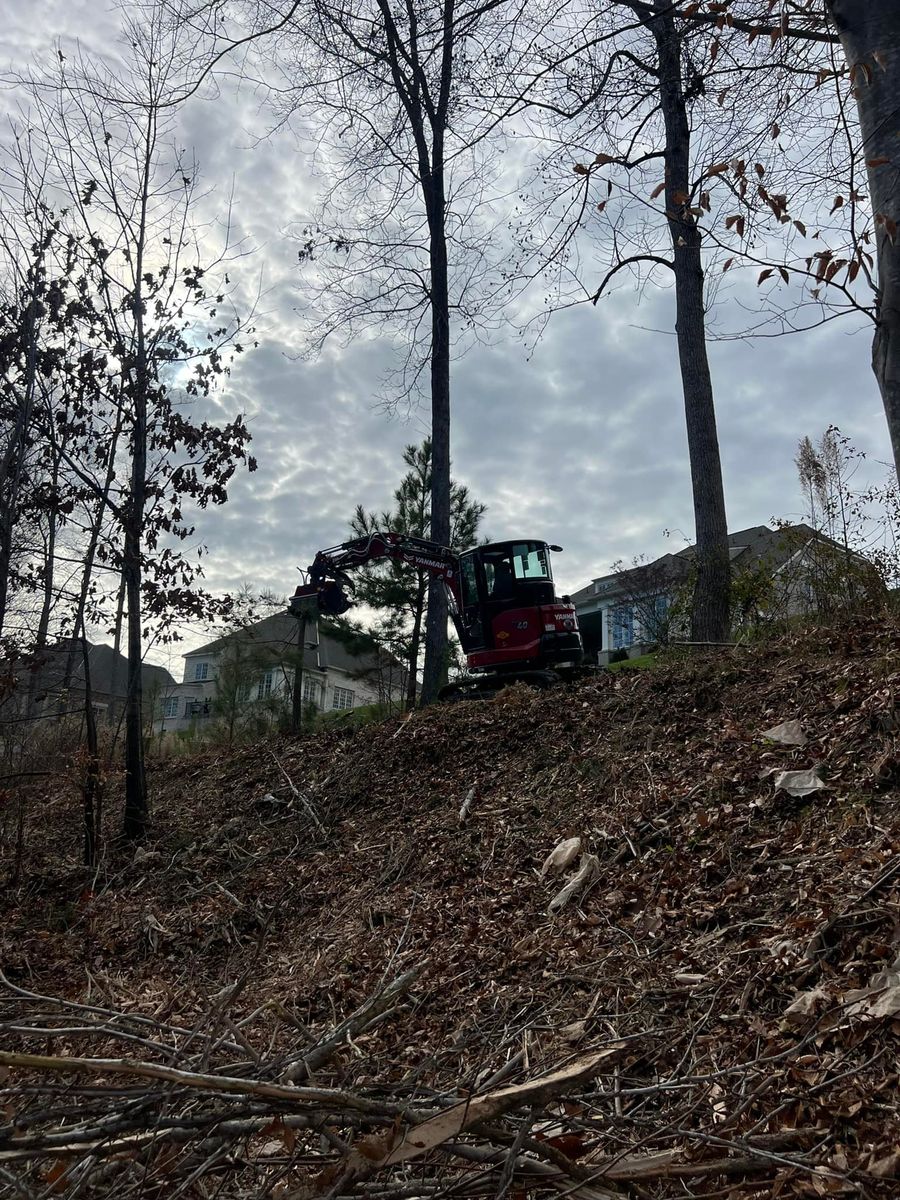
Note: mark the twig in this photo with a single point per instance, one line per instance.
(298, 795)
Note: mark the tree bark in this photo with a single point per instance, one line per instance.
(12, 461)
(434, 674)
(870, 36)
(412, 663)
(137, 813)
(710, 615)
(435, 670)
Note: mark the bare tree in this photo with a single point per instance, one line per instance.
(641, 94)
(109, 137)
(392, 98)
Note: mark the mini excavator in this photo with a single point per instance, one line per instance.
(510, 622)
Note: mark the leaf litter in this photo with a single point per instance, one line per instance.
(316, 915)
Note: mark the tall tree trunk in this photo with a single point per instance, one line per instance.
(712, 588)
(870, 35)
(137, 813)
(435, 670)
(412, 664)
(12, 461)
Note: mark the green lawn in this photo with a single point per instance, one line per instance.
(628, 664)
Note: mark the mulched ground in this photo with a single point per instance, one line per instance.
(746, 941)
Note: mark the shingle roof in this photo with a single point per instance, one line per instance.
(756, 544)
(108, 668)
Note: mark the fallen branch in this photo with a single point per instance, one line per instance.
(425, 1136)
(333, 1100)
(365, 1016)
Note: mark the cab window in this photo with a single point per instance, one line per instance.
(530, 562)
(468, 580)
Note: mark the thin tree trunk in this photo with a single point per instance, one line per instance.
(40, 639)
(136, 815)
(115, 716)
(12, 462)
(710, 615)
(870, 35)
(435, 669)
(91, 784)
(414, 645)
(297, 695)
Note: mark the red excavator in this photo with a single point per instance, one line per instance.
(510, 622)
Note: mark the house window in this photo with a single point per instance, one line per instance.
(201, 670)
(264, 688)
(311, 692)
(197, 708)
(170, 706)
(622, 627)
(343, 698)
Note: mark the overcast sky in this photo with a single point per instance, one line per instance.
(579, 440)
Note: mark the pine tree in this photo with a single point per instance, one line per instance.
(400, 593)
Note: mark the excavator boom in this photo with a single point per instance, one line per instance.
(328, 572)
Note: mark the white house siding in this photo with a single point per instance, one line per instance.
(194, 698)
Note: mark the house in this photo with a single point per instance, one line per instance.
(777, 573)
(251, 673)
(53, 681)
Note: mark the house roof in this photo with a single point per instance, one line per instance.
(758, 543)
(278, 634)
(108, 670)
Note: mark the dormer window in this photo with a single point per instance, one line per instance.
(201, 670)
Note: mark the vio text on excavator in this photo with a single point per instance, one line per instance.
(510, 622)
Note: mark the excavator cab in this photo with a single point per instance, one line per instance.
(509, 613)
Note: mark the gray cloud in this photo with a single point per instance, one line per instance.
(580, 441)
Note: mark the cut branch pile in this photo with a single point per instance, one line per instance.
(389, 1001)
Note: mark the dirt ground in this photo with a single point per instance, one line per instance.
(740, 941)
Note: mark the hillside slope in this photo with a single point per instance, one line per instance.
(734, 947)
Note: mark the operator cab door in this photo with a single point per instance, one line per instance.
(471, 617)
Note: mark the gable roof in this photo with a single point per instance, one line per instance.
(277, 636)
(757, 544)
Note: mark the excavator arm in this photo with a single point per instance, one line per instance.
(329, 571)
